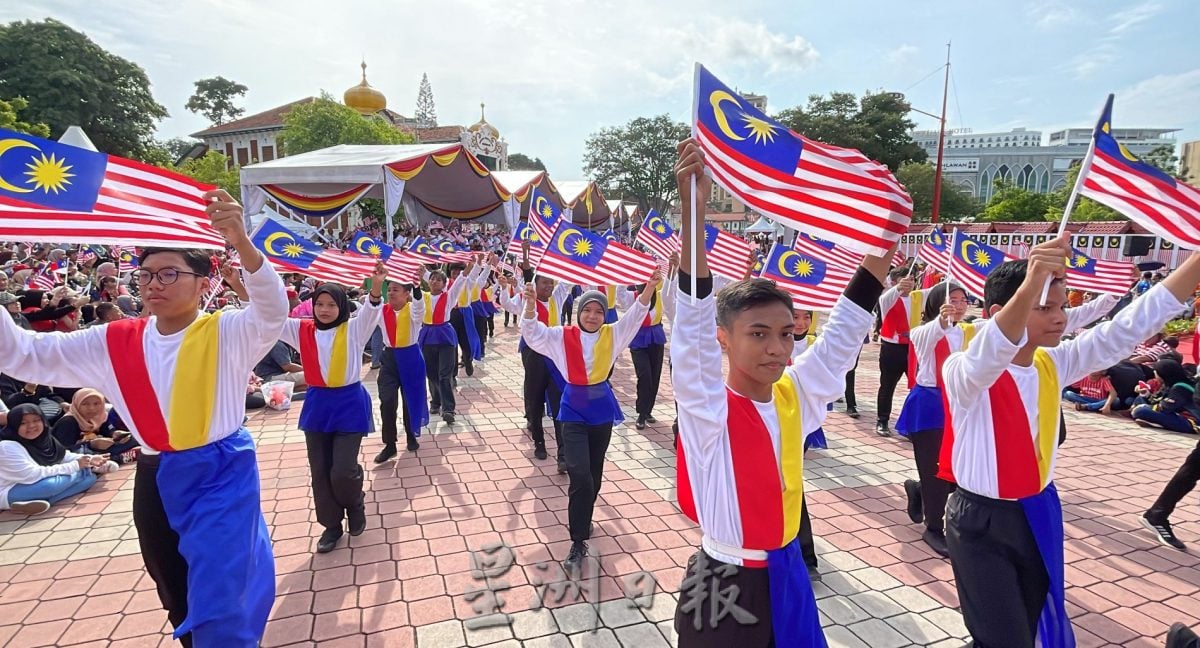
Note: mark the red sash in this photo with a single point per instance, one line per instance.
(309, 356)
(438, 316)
(577, 373)
(128, 358)
(543, 315)
(895, 323)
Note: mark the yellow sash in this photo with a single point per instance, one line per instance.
(403, 326)
(193, 396)
(656, 312)
(602, 357)
(916, 303)
(335, 376)
(791, 453)
(1048, 400)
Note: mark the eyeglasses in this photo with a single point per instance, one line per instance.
(166, 276)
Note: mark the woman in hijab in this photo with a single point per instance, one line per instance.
(127, 306)
(88, 430)
(1174, 407)
(35, 469)
(337, 410)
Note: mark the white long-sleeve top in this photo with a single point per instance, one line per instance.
(968, 376)
(462, 286)
(81, 358)
(924, 339)
(1085, 314)
(415, 309)
(548, 340)
(17, 467)
(818, 373)
(888, 300)
(358, 332)
(453, 295)
(515, 303)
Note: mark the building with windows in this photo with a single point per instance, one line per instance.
(977, 161)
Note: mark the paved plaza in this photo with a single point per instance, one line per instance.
(474, 496)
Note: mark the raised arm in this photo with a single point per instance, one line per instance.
(1081, 316)
(75, 359)
(370, 315)
(546, 340)
(627, 326)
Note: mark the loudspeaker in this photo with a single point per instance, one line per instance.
(1137, 245)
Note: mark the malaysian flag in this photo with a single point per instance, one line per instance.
(658, 237)
(127, 259)
(827, 250)
(43, 279)
(728, 255)
(57, 192)
(835, 193)
(526, 233)
(543, 215)
(422, 251)
(86, 253)
(454, 253)
(578, 256)
(814, 283)
(400, 266)
(1149, 197)
(346, 268)
(1098, 275)
(934, 250)
(898, 259)
(971, 261)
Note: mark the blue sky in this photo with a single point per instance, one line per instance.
(551, 72)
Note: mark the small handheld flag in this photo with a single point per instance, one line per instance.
(813, 283)
(1098, 275)
(576, 255)
(971, 261)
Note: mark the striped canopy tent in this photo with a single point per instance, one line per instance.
(520, 185)
(433, 182)
(585, 204)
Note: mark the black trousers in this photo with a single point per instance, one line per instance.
(998, 571)
(539, 387)
(508, 315)
(808, 547)
(647, 365)
(927, 447)
(585, 447)
(1180, 485)
(750, 589)
(159, 543)
(851, 400)
(893, 362)
(388, 383)
(439, 369)
(464, 343)
(481, 327)
(337, 477)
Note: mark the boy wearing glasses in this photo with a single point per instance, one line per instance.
(178, 378)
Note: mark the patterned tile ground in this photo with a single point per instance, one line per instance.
(74, 577)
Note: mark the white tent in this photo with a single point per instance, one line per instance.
(431, 181)
(764, 226)
(585, 204)
(519, 186)
(299, 227)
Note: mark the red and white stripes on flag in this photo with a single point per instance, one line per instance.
(42, 280)
(332, 266)
(661, 247)
(602, 263)
(939, 259)
(403, 268)
(1112, 277)
(898, 259)
(124, 265)
(728, 255)
(827, 251)
(808, 296)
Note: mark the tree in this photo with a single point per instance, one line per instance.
(426, 114)
(1163, 156)
(956, 204)
(214, 99)
(522, 162)
(166, 153)
(71, 81)
(324, 122)
(10, 118)
(213, 169)
(1013, 203)
(1085, 209)
(636, 160)
(878, 125)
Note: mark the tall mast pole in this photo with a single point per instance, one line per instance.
(937, 171)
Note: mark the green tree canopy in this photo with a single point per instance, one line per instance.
(522, 162)
(636, 160)
(1012, 203)
(214, 98)
(1163, 156)
(956, 204)
(10, 118)
(71, 81)
(877, 124)
(214, 169)
(426, 113)
(1085, 209)
(325, 122)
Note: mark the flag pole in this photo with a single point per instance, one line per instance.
(1084, 168)
(695, 231)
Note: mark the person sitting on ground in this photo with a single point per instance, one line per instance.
(1094, 393)
(128, 306)
(36, 470)
(17, 392)
(88, 429)
(254, 395)
(1173, 407)
(1152, 350)
(43, 309)
(279, 365)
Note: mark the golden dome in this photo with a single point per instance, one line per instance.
(363, 98)
(482, 126)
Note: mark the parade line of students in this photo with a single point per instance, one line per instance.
(985, 493)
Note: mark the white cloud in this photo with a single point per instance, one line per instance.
(1166, 100)
(1053, 15)
(1123, 21)
(901, 55)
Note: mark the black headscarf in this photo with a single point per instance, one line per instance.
(339, 297)
(1171, 372)
(45, 450)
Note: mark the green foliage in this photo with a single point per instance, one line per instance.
(214, 169)
(71, 81)
(426, 114)
(636, 160)
(10, 118)
(214, 99)
(1085, 209)
(166, 153)
(325, 122)
(1012, 203)
(522, 162)
(956, 204)
(878, 125)
(1163, 157)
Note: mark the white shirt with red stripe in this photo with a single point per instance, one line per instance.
(888, 301)
(703, 408)
(970, 374)
(416, 318)
(548, 340)
(442, 307)
(924, 341)
(358, 333)
(514, 301)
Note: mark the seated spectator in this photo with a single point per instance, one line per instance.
(1124, 377)
(1173, 407)
(13, 305)
(42, 309)
(1151, 351)
(36, 470)
(88, 430)
(18, 392)
(254, 395)
(278, 365)
(106, 312)
(108, 291)
(128, 306)
(1094, 393)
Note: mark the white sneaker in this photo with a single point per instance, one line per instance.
(35, 507)
(106, 467)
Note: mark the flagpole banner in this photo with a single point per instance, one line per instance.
(728, 255)
(658, 236)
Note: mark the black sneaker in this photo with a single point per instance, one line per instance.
(641, 423)
(470, 368)
(1181, 636)
(562, 467)
(356, 519)
(329, 539)
(882, 429)
(574, 561)
(852, 412)
(814, 574)
(413, 445)
(912, 488)
(651, 420)
(1163, 531)
(539, 451)
(936, 541)
(435, 410)
(448, 417)
(388, 452)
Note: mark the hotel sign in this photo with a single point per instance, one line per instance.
(953, 165)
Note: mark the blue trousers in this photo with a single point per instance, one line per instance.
(1165, 420)
(53, 489)
(376, 345)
